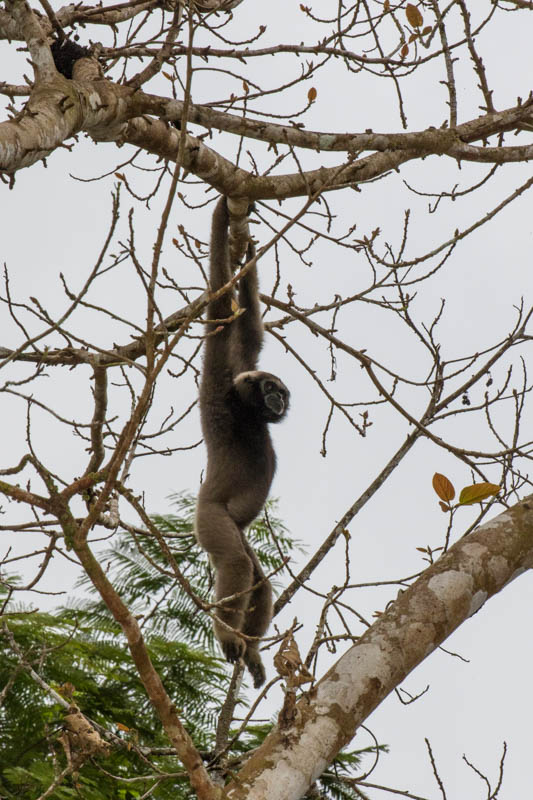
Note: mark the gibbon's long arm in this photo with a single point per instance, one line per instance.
(249, 326)
(217, 367)
(217, 372)
(220, 272)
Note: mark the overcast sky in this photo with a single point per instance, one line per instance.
(53, 222)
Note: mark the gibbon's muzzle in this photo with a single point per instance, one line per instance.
(274, 402)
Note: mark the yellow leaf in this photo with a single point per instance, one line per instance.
(477, 492)
(122, 727)
(234, 305)
(414, 17)
(311, 94)
(443, 487)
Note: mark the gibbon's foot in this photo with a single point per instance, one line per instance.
(252, 659)
(233, 648)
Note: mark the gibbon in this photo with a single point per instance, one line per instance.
(236, 404)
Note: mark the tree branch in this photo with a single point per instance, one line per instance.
(476, 568)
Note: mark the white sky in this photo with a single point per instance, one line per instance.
(52, 223)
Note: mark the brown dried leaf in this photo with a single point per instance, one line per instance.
(444, 506)
(404, 50)
(311, 94)
(414, 17)
(443, 487)
(67, 690)
(289, 665)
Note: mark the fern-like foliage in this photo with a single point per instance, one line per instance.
(79, 652)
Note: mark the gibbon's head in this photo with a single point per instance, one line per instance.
(264, 392)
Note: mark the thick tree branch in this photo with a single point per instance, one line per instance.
(32, 33)
(455, 587)
(77, 13)
(431, 140)
(112, 112)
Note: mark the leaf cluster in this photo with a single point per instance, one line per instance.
(79, 652)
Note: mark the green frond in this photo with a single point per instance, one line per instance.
(80, 652)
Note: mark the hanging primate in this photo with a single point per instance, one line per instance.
(236, 404)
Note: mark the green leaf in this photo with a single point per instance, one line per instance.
(477, 492)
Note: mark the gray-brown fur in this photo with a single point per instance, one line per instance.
(236, 404)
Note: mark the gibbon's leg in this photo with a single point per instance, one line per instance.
(257, 619)
(221, 537)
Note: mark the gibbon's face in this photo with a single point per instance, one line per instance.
(264, 391)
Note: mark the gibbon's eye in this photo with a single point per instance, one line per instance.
(270, 386)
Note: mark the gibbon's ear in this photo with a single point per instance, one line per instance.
(247, 386)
